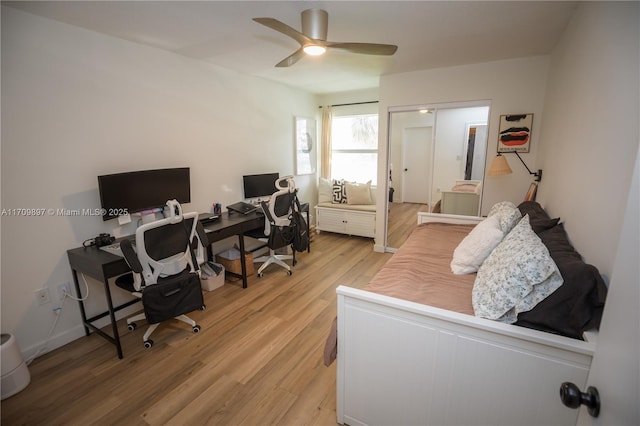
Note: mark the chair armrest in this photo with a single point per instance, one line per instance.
(267, 214)
(130, 256)
(202, 235)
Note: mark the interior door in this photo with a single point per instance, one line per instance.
(615, 370)
(416, 160)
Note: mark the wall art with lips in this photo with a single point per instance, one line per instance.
(515, 132)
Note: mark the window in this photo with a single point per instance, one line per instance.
(354, 147)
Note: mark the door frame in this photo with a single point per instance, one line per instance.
(384, 168)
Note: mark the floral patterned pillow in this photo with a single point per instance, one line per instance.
(507, 213)
(518, 274)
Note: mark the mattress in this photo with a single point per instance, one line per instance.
(420, 270)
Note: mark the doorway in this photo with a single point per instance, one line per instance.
(416, 152)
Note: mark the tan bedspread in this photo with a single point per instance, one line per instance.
(420, 272)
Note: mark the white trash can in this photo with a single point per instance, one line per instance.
(208, 278)
(15, 374)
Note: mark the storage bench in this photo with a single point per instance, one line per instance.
(346, 208)
(350, 219)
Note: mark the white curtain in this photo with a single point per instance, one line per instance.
(325, 156)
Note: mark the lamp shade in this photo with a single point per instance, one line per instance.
(499, 166)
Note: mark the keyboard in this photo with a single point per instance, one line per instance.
(115, 248)
(242, 207)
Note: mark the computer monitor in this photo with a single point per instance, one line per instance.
(139, 191)
(262, 185)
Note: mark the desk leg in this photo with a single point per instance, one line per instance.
(243, 264)
(80, 302)
(87, 322)
(112, 316)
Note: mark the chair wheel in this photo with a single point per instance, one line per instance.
(132, 326)
(289, 272)
(196, 328)
(260, 275)
(148, 343)
(203, 307)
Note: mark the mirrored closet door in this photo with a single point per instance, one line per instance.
(436, 162)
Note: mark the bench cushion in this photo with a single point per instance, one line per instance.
(354, 207)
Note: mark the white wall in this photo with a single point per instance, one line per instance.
(584, 98)
(513, 87)
(590, 127)
(77, 104)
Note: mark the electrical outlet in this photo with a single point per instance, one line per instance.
(63, 289)
(42, 296)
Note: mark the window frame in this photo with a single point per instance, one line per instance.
(370, 109)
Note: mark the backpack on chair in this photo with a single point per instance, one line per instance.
(300, 234)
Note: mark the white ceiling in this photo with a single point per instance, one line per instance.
(429, 34)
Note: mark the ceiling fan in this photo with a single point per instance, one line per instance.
(313, 38)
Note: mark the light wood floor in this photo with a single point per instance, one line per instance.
(257, 361)
(403, 217)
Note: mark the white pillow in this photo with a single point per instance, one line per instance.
(325, 191)
(517, 275)
(507, 213)
(476, 246)
(358, 193)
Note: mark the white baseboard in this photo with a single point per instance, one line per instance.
(56, 341)
(67, 336)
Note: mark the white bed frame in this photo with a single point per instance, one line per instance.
(404, 363)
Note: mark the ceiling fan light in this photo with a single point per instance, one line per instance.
(314, 50)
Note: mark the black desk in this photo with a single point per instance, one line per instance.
(102, 265)
(231, 224)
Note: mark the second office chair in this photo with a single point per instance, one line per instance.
(278, 219)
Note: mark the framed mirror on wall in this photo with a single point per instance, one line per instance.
(305, 146)
(436, 163)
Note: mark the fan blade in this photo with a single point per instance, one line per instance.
(291, 59)
(366, 48)
(274, 24)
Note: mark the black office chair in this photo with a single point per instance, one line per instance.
(167, 249)
(278, 215)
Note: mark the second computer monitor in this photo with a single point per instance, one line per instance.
(260, 185)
